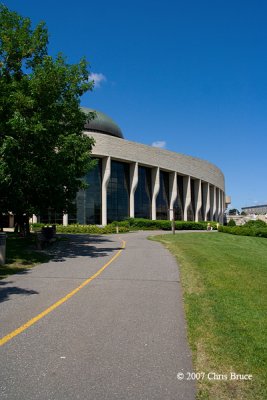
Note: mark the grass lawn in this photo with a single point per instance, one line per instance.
(21, 254)
(225, 295)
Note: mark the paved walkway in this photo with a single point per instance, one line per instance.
(122, 336)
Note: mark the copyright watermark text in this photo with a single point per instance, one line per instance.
(213, 376)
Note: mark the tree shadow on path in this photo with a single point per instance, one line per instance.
(8, 291)
(72, 246)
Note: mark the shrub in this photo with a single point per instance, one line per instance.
(89, 229)
(244, 231)
(255, 224)
(231, 223)
(148, 224)
(131, 224)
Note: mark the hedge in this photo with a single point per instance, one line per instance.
(130, 224)
(244, 231)
(90, 229)
(148, 224)
(255, 224)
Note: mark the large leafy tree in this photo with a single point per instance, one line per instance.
(43, 152)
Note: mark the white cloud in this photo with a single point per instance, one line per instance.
(97, 78)
(159, 143)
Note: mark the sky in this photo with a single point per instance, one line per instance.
(188, 76)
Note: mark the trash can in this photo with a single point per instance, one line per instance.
(2, 248)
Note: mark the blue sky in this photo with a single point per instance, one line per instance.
(189, 74)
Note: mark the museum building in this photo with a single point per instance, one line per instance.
(136, 180)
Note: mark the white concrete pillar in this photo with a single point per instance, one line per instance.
(187, 194)
(34, 219)
(106, 172)
(198, 198)
(173, 192)
(65, 219)
(133, 185)
(206, 199)
(155, 191)
(11, 221)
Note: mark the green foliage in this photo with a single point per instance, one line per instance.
(244, 231)
(43, 152)
(234, 211)
(231, 223)
(147, 224)
(85, 229)
(255, 224)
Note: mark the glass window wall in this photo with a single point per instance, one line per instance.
(179, 202)
(89, 201)
(142, 197)
(118, 192)
(163, 198)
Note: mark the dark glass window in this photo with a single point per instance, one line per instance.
(142, 197)
(179, 202)
(118, 192)
(191, 207)
(211, 212)
(89, 201)
(203, 201)
(51, 217)
(163, 199)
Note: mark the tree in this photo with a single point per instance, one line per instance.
(43, 152)
(234, 211)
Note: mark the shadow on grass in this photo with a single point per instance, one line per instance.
(21, 254)
(8, 291)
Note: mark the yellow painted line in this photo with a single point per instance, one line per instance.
(32, 321)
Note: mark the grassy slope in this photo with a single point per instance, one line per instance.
(21, 255)
(224, 282)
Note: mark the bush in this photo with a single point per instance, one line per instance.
(244, 231)
(148, 224)
(255, 224)
(90, 229)
(130, 224)
(231, 223)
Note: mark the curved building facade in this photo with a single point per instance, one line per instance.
(136, 180)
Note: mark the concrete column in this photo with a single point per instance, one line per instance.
(106, 172)
(65, 219)
(173, 192)
(133, 185)
(34, 219)
(11, 221)
(187, 194)
(212, 202)
(206, 199)
(155, 191)
(198, 198)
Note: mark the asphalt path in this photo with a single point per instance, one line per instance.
(120, 336)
